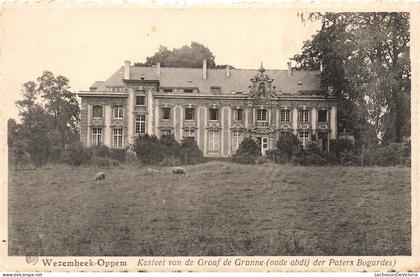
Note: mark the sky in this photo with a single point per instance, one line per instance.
(88, 44)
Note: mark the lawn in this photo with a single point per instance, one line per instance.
(219, 209)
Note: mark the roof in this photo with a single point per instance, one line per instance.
(239, 80)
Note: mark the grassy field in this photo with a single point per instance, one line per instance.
(219, 209)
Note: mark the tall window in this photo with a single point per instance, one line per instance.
(96, 136)
(237, 139)
(189, 114)
(304, 115)
(166, 113)
(118, 112)
(322, 116)
(285, 115)
(140, 124)
(214, 114)
(304, 138)
(213, 140)
(140, 100)
(189, 133)
(237, 114)
(97, 111)
(118, 138)
(261, 115)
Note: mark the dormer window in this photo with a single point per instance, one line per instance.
(188, 90)
(215, 90)
(214, 114)
(261, 115)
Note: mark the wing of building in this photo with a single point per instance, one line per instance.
(218, 107)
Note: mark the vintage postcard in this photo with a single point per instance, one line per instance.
(241, 137)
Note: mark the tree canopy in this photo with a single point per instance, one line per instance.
(185, 56)
(365, 57)
(50, 117)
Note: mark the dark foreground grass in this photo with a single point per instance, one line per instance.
(219, 209)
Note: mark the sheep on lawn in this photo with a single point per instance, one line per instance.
(179, 171)
(100, 176)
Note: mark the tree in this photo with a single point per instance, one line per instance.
(366, 63)
(248, 151)
(190, 153)
(186, 56)
(50, 116)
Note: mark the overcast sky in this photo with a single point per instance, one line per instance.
(86, 44)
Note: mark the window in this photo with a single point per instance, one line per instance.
(322, 116)
(304, 138)
(97, 111)
(140, 100)
(166, 113)
(167, 90)
(189, 90)
(165, 132)
(215, 89)
(304, 115)
(140, 124)
(213, 140)
(118, 112)
(237, 114)
(261, 115)
(285, 115)
(189, 114)
(189, 133)
(118, 138)
(96, 136)
(237, 139)
(214, 114)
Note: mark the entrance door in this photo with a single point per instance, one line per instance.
(264, 145)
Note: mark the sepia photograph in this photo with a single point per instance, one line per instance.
(206, 132)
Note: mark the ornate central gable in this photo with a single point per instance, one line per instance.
(261, 89)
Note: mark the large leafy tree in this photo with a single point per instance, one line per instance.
(185, 56)
(49, 115)
(366, 63)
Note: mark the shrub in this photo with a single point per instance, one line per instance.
(39, 147)
(104, 162)
(169, 146)
(312, 155)
(387, 155)
(170, 161)
(189, 152)
(248, 151)
(118, 154)
(100, 151)
(148, 149)
(76, 154)
(287, 146)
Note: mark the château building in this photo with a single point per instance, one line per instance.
(217, 107)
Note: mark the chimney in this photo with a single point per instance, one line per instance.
(289, 69)
(204, 69)
(227, 71)
(127, 70)
(158, 69)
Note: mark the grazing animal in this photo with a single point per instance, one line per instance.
(100, 176)
(179, 171)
